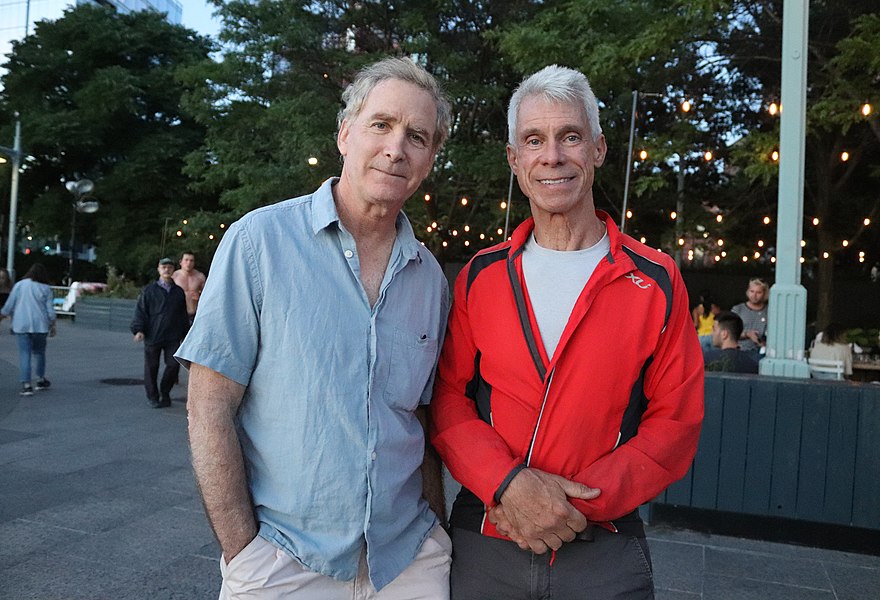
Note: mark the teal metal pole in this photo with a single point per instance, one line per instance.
(787, 313)
(15, 155)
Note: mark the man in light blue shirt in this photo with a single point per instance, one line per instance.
(312, 360)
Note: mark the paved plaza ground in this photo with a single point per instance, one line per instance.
(97, 500)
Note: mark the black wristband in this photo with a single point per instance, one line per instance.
(501, 488)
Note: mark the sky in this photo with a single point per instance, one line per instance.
(197, 15)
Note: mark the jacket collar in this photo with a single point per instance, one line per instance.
(521, 234)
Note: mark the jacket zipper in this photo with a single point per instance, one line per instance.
(540, 416)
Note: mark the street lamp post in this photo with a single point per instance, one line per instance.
(80, 188)
(16, 155)
(629, 156)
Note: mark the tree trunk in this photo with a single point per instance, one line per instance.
(825, 280)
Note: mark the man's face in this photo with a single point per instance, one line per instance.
(389, 146)
(187, 262)
(165, 271)
(716, 335)
(555, 156)
(756, 294)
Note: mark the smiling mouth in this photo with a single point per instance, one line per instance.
(555, 181)
(390, 173)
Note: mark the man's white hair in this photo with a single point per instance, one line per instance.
(555, 84)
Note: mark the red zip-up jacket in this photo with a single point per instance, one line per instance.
(617, 408)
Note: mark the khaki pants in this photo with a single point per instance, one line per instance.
(265, 572)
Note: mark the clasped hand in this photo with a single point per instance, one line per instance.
(535, 511)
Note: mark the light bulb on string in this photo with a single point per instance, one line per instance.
(866, 109)
(773, 109)
(643, 154)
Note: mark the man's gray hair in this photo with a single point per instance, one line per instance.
(555, 84)
(402, 69)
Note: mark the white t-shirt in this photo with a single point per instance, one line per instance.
(841, 352)
(554, 280)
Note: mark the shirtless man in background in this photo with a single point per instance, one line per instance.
(191, 280)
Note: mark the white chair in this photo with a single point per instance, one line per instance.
(821, 368)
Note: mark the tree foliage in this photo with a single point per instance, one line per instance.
(98, 97)
(269, 105)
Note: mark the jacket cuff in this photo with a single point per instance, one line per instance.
(504, 484)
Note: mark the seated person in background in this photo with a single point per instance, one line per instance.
(704, 316)
(726, 355)
(831, 344)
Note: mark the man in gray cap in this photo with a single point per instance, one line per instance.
(160, 321)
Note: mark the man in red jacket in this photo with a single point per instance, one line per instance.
(570, 387)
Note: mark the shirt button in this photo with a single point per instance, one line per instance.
(349, 254)
(373, 456)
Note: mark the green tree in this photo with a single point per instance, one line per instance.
(724, 56)
(271, 104)
(843, 74)
(99, 97)
(657, 48)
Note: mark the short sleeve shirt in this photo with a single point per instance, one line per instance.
(331, 442)
(752, 320)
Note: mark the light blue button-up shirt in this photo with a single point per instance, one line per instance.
(331, 443)
(30, 304)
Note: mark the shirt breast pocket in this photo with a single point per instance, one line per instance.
(413, 354)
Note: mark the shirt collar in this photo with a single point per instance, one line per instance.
(324, 214)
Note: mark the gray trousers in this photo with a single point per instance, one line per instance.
(614, 566)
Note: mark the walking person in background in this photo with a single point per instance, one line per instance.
(191, 280)
(33, 319)
(753, 313)
(160, 322)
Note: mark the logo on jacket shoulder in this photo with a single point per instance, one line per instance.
(638, 281)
